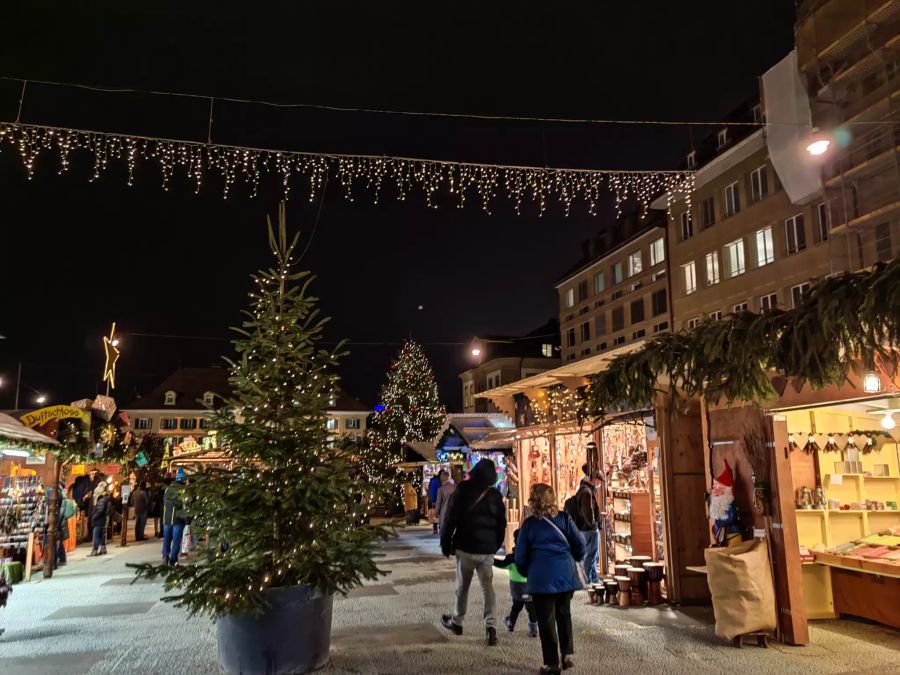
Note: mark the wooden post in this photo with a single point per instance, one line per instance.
(52, 517)
(29, 554)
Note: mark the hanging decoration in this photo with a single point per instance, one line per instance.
(247, 165)
(556, 405)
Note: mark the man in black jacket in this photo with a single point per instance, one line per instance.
(474, 530)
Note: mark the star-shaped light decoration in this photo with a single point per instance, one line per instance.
(112, 355)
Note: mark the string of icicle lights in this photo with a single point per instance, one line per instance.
(249, 166)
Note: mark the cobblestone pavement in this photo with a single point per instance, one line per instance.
(88, 619)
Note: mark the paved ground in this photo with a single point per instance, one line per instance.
(87, 619)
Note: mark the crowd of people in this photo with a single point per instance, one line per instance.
(556, 553)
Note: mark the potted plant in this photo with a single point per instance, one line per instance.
(283, 528)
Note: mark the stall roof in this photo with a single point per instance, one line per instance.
(563, 374)
(12, 429)
(498, 440)
(419, 451)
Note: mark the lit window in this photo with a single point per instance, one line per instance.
(759, 184)
(331, 424)
(768, 302)
(734, 259)
(570, 297)
(352, 423)
(170, 398)
(712, 268)
(689, 276)
(599, 282)
(547, 349)
(732, 199)
(795, 233)
(208, 399)
(657, 251)
(765, 247)
(798, 292)
(635, 264)
(687, 226)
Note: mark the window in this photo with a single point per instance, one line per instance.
(765, 247)
(656, 276)
(600, 325)
(635, 264)
(209, 399)
(602, 346)
(660, 327)
(616, 295)
(570, 298)
(205, 423)
(618, 319)
(691, 159)
(331, 424)
(734, 259)
(822, 212)
(547, 349)
(689, 276)
(585, 331)
(798, 292)
(168, 423)
(721, 139)
(657, 251)
(687, 226)
(620, 340)
(691, 324)
(796, 234)
(636, 285)
(712, 268)
(143, 423)
(188, 423)
(757, 113)
(570, 337)
(170, 398)
(740, 307)
(638, 334)
(658, 304)
(707, 213)
(768, 302)
(582, 291)
(883, 245)
(616, 273)
(637, 311)
(759, 184)
(715, 316)
(732, 199)
(352, 423)
(599, 283)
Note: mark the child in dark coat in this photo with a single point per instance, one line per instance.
(518, 589)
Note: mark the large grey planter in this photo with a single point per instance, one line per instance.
(292, 636)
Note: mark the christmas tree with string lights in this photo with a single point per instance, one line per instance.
(410, 411)
(288, 512)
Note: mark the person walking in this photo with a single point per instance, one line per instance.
(548, 550)
(448, 487)
(140, 499)
(173, 519)
(474, 529)
(433, 486)
(585, 512)
(99, 516)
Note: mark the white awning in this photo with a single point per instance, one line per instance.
(12, 429)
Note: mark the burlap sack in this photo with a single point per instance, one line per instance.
(743, 594)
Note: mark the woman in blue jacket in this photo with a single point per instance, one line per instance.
(548, 551)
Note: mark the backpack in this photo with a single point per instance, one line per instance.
(570, 506)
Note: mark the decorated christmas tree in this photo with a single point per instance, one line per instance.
(287, 512)
(410, 410)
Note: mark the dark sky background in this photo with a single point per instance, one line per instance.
(78, 255)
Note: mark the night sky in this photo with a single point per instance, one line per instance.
(78, 255)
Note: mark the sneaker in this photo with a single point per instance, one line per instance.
(532, 629)
(447, 622)
(510, 626)
(93, 553)
(491, 636)
(568, 662)
(103, 550)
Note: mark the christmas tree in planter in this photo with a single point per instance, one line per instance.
(410, 410)
(287, 514)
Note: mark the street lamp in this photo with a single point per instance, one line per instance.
(476, 351)
(818, 147)
(41, 399)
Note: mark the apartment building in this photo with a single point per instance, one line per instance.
(848, 53)
(740, 244)
(501, 359)
(618, 294)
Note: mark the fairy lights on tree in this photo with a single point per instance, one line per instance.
(288, 511)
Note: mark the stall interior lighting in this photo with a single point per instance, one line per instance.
(887, 422)
(9, 452)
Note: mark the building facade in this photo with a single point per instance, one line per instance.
(848, 53)
(618, 295)
(500, 360)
